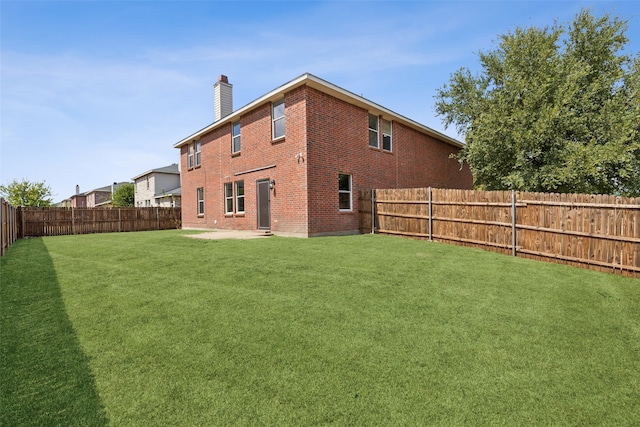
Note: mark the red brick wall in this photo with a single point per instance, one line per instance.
(339, 143)
(324, 137)
(258, 150)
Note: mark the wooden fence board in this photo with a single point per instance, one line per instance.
(599, 232)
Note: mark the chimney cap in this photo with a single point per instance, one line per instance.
(223, 79)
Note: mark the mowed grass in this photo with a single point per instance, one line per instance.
(156, 328)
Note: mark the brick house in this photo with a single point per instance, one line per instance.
(101, 197)
(158, 187)
(293, 160)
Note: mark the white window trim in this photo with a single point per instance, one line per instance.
(227, 198)
(198, 150)
(350, 192)
(190, 156)
(390, 134)
(234, 137)
(200, 191)
(376, 130)
(274, 119)
(235, 188)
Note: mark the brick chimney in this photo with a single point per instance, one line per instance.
(222, 98)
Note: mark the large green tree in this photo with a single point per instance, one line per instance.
(27, 193)
(123, 196)
(554, 109)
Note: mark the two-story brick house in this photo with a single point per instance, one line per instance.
(293, 160)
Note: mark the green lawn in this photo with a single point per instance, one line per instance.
(155, 328)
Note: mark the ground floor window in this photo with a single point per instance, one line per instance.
(234, 192)
(228, 198)
(240, 197)
(344, 192)
(200, 193)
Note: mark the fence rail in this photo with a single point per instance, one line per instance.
(9, 228)
(599, 232)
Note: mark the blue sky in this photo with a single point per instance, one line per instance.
(94, 92)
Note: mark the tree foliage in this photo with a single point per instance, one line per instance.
(123, 196)
(26, 193)
(554, 109)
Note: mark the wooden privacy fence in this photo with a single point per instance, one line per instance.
(34, 222)
(9, 230)
(598, 232)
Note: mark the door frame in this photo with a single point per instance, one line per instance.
(263, 184)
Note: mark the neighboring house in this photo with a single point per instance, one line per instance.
(78, 200)
(293, 160)
(158, 187)
(101, 197)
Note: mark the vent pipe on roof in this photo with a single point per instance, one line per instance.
(222, 98)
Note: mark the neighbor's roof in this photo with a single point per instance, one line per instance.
(172, 169)
(328, 88)
(106, 188)
(174, 192)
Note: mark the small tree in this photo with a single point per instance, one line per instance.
(552, 109)
(123, 196)
(26, 193)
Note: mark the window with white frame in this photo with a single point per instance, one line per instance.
(190, 156)
(200, 196)
(197, 149)
(235, 138)
(228, 198)
(374, 140)
(234, 197)
(240, 197)
(344, 192)
(386, 135)
(277, 116)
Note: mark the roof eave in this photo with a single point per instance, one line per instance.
(331, 89)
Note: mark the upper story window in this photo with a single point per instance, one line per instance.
(190, 156)
(193, 155)
(197, 144)
(235, 138)
(374, 140)
(344, 192)
(277, 117)
(386, 135)
(147, 182)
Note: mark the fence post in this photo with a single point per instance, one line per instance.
(119, 220)
(373, 211)
(430, 215)
(513, 222)
(157, 219)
